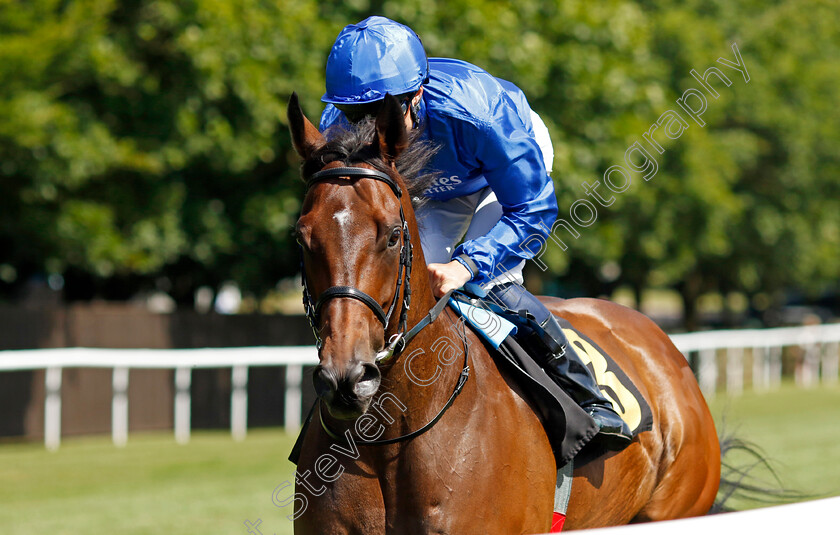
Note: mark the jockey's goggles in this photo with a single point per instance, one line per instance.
(358, 112)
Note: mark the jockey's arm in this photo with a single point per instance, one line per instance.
(511, 161)
(513, 166)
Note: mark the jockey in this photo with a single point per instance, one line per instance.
(494, 190)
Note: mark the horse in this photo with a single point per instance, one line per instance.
(445, 447)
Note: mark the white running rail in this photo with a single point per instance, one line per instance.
(183, 361)
(820, 351)
(820, 345)
(806, 517)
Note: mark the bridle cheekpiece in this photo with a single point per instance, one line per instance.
(312, 309)
(401, 338)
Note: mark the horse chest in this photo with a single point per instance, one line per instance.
(437, 480)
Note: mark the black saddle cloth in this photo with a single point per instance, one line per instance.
(569, 428)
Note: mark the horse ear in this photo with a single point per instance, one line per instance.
(306, 138)
(390, 129)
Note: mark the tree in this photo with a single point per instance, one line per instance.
(146, 141)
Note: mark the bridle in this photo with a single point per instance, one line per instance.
(398, 341)
(401, 338)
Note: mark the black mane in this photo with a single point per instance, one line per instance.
(354, 145)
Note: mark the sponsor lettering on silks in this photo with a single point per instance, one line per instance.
(443, 183)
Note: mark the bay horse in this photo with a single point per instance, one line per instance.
(486, 465)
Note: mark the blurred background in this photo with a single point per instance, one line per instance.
(148, 189)
(145, 156)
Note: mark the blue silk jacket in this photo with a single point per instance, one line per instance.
(483, 126)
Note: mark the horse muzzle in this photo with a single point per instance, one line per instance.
(347, 391)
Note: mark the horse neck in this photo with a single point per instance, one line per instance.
(436, 352)
(422, 298)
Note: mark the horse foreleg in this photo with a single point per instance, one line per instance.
(341, 496)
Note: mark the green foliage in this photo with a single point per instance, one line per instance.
(146, 139)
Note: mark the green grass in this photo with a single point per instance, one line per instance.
(153, 485)
(212, 485)
(798, 430)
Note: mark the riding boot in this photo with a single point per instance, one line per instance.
(564, 366)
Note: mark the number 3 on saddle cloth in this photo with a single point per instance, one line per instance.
(514, 336)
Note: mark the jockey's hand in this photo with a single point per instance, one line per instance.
(447, 277)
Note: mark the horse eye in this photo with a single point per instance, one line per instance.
(395, 237)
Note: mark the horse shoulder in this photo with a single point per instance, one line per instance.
(490, 434)
(511, 441)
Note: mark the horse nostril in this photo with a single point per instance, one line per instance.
(325, 382)
(368, 383)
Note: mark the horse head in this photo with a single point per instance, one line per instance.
(355, 231)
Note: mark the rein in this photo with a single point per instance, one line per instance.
(399, 340)
(462, 380)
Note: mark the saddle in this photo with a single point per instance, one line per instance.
(516, 342)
